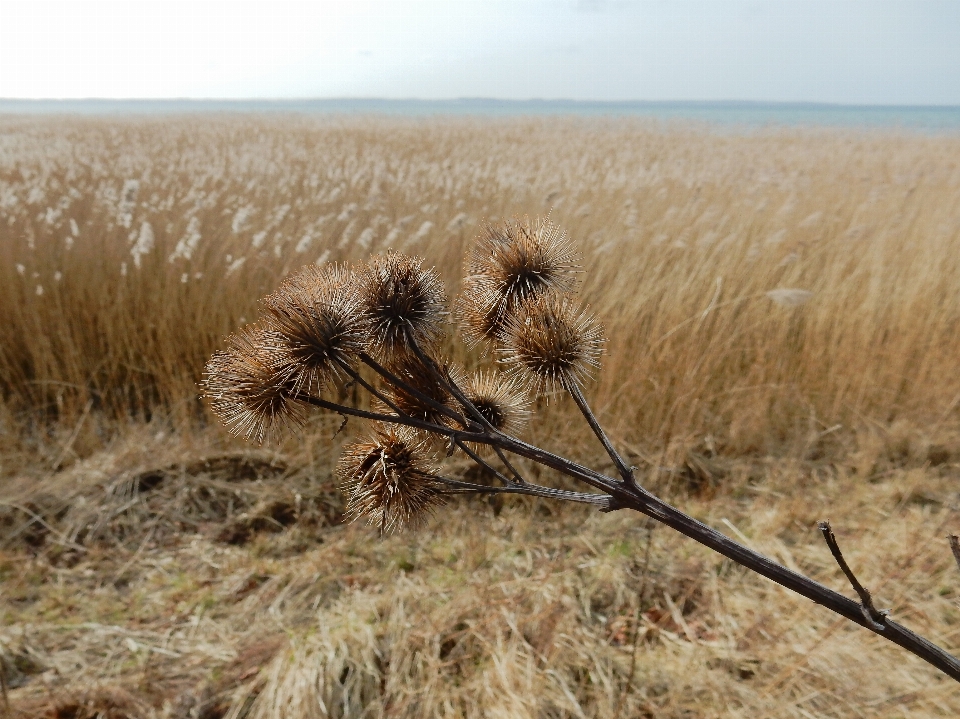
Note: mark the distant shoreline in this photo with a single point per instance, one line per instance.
(722, 113)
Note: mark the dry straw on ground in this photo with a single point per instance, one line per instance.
(782, 311)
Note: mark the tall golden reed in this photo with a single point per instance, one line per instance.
(757, 288)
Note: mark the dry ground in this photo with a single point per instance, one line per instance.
(151, 566)
(174, 577)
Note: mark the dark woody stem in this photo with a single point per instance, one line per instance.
(404, 386)
(518, 479)
(358, 378)
(532, 490)
(510, 444)
(623, 496)
(876, 617)
(955, 547)
(625, 472)
(412, 391)
(483, 463)
(460, 443)
(347, 411)
(445, 381)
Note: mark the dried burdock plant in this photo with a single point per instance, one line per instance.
(400, 296)
(511, 263)
(524, 260)
(249, 384)
(552, 343)
(479, 311)
(317, 315)
(501, 401)
(389, 477)
(387, 318)
(431, 401)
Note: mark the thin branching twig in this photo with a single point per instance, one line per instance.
(955, 548)
(876, 617)
(447, 383)
(625, 471)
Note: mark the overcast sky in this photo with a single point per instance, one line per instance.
(842, 51)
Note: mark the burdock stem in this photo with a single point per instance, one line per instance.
(625, 472)
(447, 382)
(412, 391)
(503, 441)
(532, 490)
(955, 547)
(358, 378)
(872, 614)
(379, 395)
(621, 496)
(482, 462)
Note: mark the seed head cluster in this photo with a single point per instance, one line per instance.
(552, 343)
(509, 264)
(500, 400)
(317, 313)
(412, 372)
(388, 477)
(321, 321)
(400, 296)
(248, 384)
(314, 324)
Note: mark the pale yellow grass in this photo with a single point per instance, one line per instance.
(782, 308)
(149, 603)
(684, 232)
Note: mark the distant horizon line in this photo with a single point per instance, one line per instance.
(732, 103)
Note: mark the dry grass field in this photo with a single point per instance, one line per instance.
(783, 315)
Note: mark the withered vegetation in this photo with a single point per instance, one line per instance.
(780, 309)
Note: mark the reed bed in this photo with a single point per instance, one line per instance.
(782, 313)
(758, 289)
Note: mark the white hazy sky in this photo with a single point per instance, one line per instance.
(844, 51)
